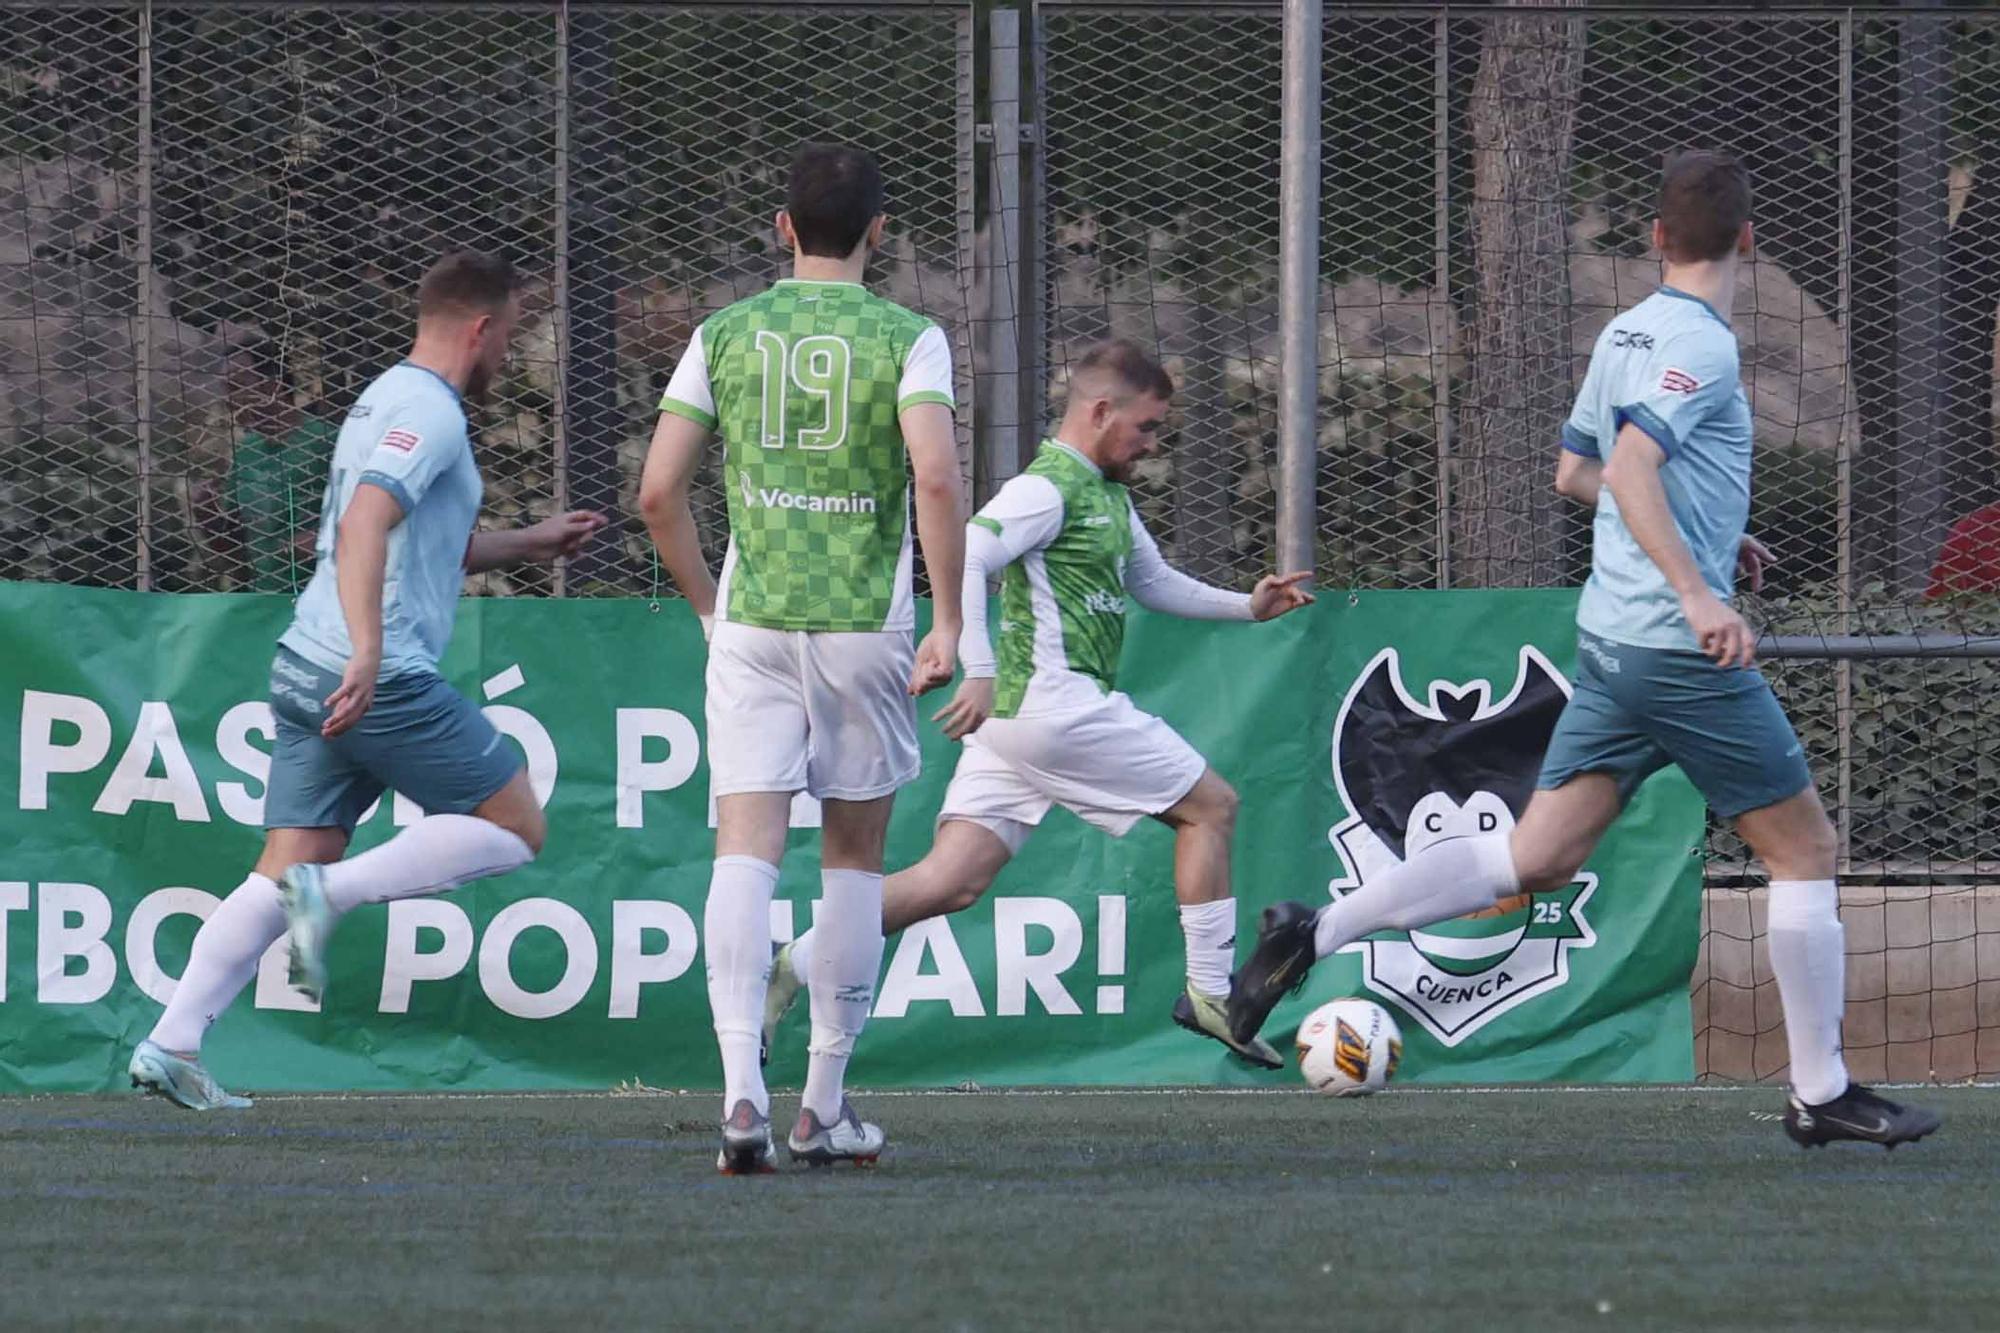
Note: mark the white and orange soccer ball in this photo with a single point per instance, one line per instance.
(1349, 1048)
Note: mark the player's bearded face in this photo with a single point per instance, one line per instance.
(1132, 433)
(493, 341)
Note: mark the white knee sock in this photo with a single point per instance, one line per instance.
(1809, 959)
(223, 960)
(1209, 930)
(736, 942)
(1445, 880)
(436, 853)
(846, 959)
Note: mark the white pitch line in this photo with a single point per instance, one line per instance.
(1523, 1089)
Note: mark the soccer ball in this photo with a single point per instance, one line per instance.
(1349, 1048)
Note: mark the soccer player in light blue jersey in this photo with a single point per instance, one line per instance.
(356, 697)
(1659, 443)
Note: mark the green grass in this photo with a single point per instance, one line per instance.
(1672, 1209)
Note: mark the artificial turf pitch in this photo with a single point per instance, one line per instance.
(1450, 1210)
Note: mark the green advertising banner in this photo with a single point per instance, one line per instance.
(138, 737)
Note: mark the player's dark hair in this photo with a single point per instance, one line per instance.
(833, 195)
(1126, 364)
(467, 283)
(1704, 202)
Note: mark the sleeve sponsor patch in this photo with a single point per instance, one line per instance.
(1678, 381)
(403, 441)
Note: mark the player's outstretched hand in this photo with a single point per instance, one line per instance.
(1753, 558)
(1723, 634)
(968, 708)
(937, 660)
(1276, 594)
(564, 534)
(346, 705)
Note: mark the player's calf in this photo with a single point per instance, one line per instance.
(515, 809)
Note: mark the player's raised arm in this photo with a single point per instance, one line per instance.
(538, 543)
(687, 419)
(1158, 586)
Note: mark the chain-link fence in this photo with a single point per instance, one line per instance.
(1487, 191)
(202, 191)
(211, 217)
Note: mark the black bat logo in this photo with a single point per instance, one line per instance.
(1390, 751)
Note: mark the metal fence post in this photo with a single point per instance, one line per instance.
(1922, 201)
(559, 312)
(1298, 283)
(142, 337)
(1033, 288)
(966, 344)
(594, 268)
(1003, 447)
(1844, 460)
(1441, 332)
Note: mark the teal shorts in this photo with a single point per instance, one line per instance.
(419, 737)
(1636, 710)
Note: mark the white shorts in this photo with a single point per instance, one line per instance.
(1102, 758)
(819, 712)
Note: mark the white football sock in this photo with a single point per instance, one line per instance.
(1809, 959)
(436, 853)
(220, 965)
(1210, 932)
(736, 942)
(846, 960)
(1445, 880)
(802, 955)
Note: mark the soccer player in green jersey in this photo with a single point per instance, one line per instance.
(827, 398)
(1042, 722)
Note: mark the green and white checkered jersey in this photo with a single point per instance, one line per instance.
(1068, 535)
(805, 383)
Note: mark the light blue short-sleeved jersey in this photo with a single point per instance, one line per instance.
(1669, 367)
(406, 435)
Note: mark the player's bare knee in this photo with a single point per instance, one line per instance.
(531, 827)
(974, 880)
(1212, 804)
(284, 848)
(1811, 851)
(964, 893)
(1546, 874)
(1544, 867)
(1226, 803)
(523, 819)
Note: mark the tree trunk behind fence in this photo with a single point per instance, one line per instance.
(1508, 527)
